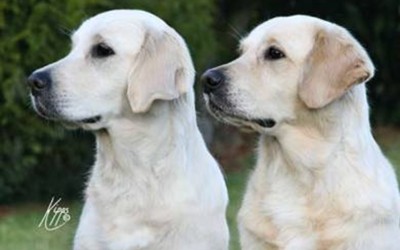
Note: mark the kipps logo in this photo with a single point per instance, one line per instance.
(55, 216)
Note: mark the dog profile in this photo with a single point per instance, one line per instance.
(320, 181)
(154, 185)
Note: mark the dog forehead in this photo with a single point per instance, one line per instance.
(123, 25)
(121, 17)
(293, 33)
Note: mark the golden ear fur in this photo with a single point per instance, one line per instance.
(164, 70)
(336, 63)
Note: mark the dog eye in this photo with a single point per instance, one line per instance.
(273, 53)
(102, 50)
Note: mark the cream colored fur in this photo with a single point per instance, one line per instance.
(320, 182)
(154, 185)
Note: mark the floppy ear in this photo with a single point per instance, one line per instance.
(335, 64)
(163, 71)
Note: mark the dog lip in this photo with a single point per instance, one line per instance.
(44, 112)
(90, 120)
(266, 123)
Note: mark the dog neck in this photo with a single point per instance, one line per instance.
(316, 142)
(146, 142)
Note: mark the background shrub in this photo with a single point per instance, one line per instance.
(39, 159)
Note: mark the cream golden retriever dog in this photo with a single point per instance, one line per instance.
(320, 181)
(154, 185)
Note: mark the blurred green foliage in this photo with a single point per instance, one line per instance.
(38, 158)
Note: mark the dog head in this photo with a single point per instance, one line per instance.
(120, 60)
(286, 63)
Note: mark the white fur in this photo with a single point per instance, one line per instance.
(154, 185)
(320, 181)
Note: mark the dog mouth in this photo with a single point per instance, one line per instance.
(51, 113)
(90, 120)
(82, 123)
(230, 117)
(76, 123)
(73, 122)
(45, 110)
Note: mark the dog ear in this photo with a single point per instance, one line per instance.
(334, 65)
(164, 71)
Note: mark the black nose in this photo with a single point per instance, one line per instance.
(212, 80)
(39, 81)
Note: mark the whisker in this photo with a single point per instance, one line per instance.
(65, 31)
(235, 33)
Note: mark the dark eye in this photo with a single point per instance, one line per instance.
(273, 53)
(102, 50)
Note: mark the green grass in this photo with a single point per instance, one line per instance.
(19, 227)
(236, 184)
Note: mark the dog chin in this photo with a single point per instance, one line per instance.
(90, 123)
(245, 124)
(70, 125)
